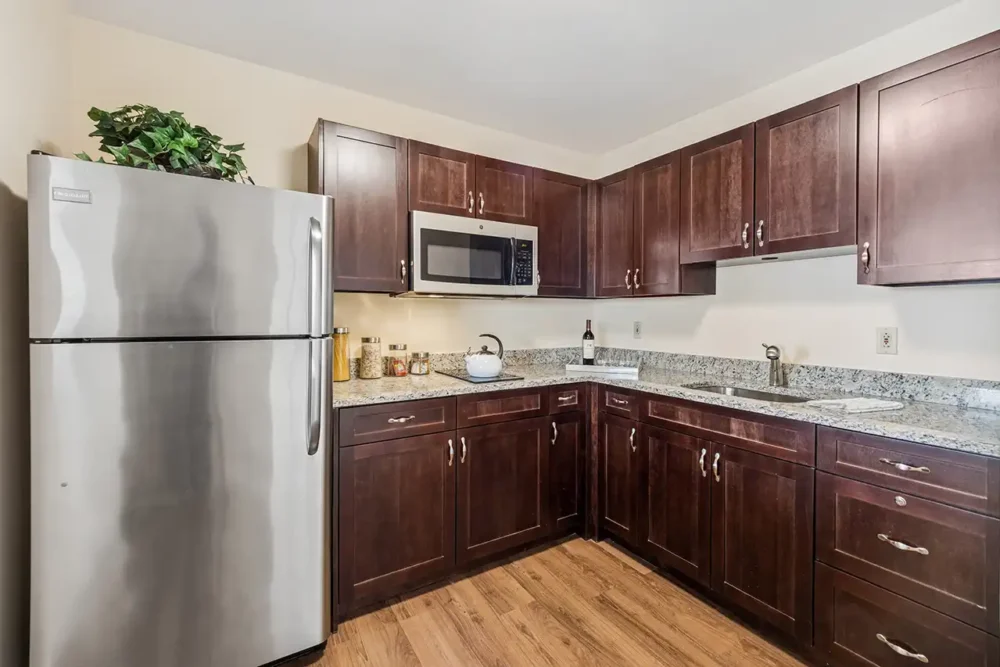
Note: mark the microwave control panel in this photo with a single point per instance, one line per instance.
(524, 257)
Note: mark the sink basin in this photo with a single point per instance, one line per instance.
(740, 392)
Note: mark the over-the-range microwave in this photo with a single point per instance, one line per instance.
(455, 256)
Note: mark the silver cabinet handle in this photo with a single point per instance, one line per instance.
(451, 452)
(919, 657)
(903, 467)
(746, 234)
(618, 401)
(631, 439)
(555, 433)
(865, 256)
(903, 546)
(464, 451)
(401, 420)
(402, 271)
(482, 203)
(628, 279)
(562, 399)
(715, 466)
(636, 281)
(701, 463)
(760, 233)
(472, 202)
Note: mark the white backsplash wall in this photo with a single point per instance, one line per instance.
(817, 313)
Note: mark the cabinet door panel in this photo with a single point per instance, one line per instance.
(929, 187)
(619, 477)
(717, 197)
(566, 470)
(806, 176)
(762, 538)
(503, 487)
(615, 235)
(503, 191)
(397, 517)
(675, 503)
(560, 213)
(657, 226)
(442, 180)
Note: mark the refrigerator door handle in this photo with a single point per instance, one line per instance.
(319, 392)
(320, 284)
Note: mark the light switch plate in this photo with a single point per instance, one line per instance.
(885, 340)
(637, 330)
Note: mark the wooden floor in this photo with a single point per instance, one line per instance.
(578, 603)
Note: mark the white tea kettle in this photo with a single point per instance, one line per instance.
(483, 363)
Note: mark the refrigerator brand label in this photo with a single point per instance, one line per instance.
(71, 195)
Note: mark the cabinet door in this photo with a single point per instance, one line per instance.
(365, 173)
(566, 470)
(762, 537)
(717, 197)
(675, 501)
(928, 182)
(503, 191)
(619, 477)
(560, 212)
(657, 226)
(442, 180)
(397, 517)
(806, 176)
(503, 487)
(615, 235)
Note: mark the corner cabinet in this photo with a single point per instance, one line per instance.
(365, 173)
(929, 182)
(560, 213)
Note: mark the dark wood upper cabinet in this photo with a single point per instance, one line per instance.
(503, 191)
(674, 503)
(560, 213)
(442, 180)
(806, 176)
(615, 243)
(657, 226)
(397, 517)
(929, 182)
(503, 487)
(365, 173)
(618, 471)
(717, 197)
(566, 470)
(762, 537)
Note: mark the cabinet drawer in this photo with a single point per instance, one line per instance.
(781, 438)
(502, 406)
(374, 423)
(858, 624)
(619, 402)
(956, 478)
(568, 398)
(941, 556)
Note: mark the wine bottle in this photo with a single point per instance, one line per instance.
(588, 346)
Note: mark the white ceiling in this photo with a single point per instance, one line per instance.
(589, 75)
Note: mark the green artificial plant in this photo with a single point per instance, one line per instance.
(142, 136)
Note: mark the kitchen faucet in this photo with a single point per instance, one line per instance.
(775, 376)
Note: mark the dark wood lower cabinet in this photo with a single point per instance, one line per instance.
(566, 471)
(762, 537)
(674, 502)
(397, 517)
(619, 477)
(503, 487)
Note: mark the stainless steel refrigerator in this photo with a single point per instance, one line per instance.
(180, 419)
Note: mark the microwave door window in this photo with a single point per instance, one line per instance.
(467, 259)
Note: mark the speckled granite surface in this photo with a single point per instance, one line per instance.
(949, 426)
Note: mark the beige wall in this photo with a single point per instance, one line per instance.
(32, 55)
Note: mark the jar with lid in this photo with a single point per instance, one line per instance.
(397, 362)
(341, 355)
(371, 358)
(420, 363)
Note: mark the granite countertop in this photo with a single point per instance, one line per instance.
(964, 429)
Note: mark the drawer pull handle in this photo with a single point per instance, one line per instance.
(903, 467)
(701, 463)
(903, 546)
(919, 657)
(451, 452)
(618, 401)
(566, 398)
(401, 420)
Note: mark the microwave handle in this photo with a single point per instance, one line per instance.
(513, 261)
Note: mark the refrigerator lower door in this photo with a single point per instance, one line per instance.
(178, 517)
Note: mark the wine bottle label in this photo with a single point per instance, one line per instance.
(588, 349)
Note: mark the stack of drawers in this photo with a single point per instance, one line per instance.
(908, 553)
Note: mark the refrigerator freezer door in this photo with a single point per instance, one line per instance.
(178, 517)
(118, 252)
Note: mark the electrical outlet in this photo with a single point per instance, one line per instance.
(885, 341)
(637, 330)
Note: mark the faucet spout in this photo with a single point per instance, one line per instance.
(776, 374)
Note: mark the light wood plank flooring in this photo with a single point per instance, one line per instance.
(578, 603)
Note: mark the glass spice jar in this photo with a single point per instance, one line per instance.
(341, 355)
(371, 358)
(420, 363)
(396, 364)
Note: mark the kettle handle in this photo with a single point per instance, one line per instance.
(500, 353)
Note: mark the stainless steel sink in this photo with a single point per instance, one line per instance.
(740, 392)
